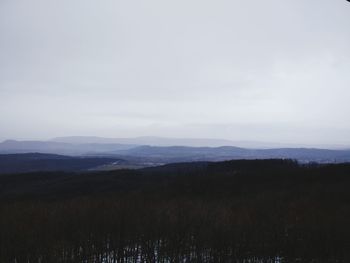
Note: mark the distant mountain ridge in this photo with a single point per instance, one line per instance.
(146, 140)
(63, 148)
(146, 155)
(165, 142)
(181, 154)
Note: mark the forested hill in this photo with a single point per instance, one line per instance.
(31, 162)
(191, 177)
(234, 211)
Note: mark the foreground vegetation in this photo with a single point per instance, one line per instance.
(238, 211)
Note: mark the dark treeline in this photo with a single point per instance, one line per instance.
(32, 162)
(237, 211)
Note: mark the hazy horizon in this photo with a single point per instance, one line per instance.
(175, 141)
(265, 71)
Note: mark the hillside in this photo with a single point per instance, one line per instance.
(31, 162)
(235, 211)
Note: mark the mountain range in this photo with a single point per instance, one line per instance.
(94, 153)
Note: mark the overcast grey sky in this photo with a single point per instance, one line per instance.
(272, 70)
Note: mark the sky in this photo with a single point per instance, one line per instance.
(272, 71)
